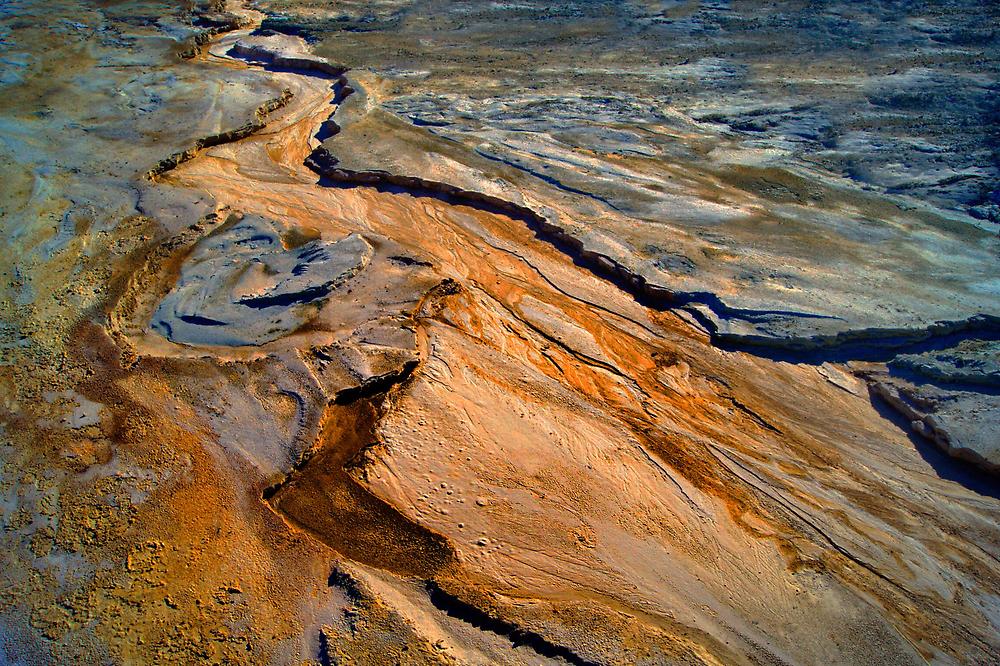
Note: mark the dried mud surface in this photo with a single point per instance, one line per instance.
(458, 384)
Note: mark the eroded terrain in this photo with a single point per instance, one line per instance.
(312, 354)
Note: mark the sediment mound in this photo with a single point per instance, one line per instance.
(246, 286)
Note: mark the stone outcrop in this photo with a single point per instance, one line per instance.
(961, 423)
(283, 52)
(255, 124)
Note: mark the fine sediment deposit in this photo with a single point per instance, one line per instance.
(244, 285)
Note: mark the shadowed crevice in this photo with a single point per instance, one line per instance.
(323, 499)
(483, 621)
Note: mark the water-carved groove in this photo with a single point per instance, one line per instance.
(870, 344)
(376, 385)
(256, 124)
(859, 344)
(518, 636)
(321, 497)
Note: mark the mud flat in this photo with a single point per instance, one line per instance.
(388, 378)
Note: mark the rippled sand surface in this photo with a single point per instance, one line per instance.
(473, 333)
